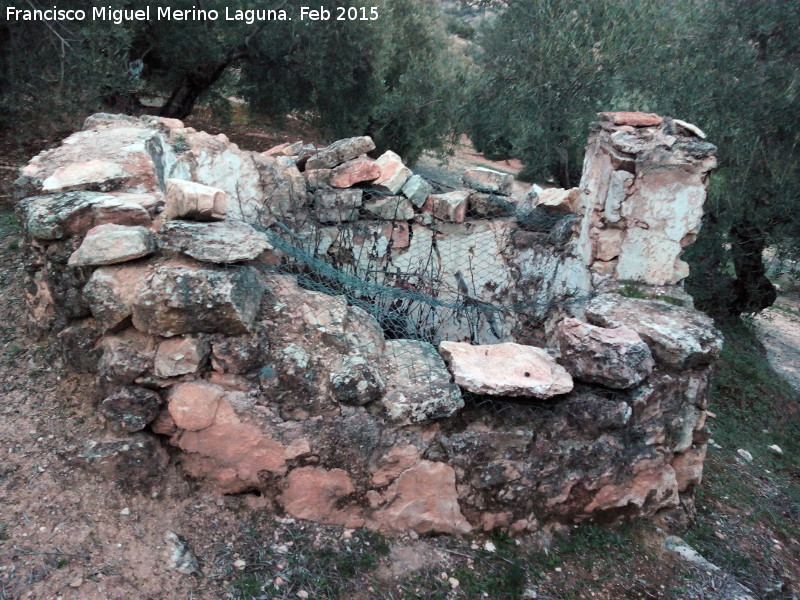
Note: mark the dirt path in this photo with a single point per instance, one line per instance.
(779, 331)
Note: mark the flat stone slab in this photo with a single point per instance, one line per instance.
(488, 180)
(677, 336)
(98, 175)
(506, 370)
(339, 152)
(109, 244)
(216, 242)
(74, 213)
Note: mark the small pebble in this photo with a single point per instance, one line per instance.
(240, 564)
(775, 449)
(125, 511)
(454, 583)
(489, 547)
(745, 455)
(302, 594)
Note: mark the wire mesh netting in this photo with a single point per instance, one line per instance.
(432, 280)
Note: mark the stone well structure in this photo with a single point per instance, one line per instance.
(365, 347)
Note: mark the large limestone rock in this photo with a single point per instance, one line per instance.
(353, 172)
(336, 206)
(678, 337)
(417, 190)
(451, 206)
(97, 175)
(313, 493)
(506, 370)
(424, 498)
(213, 161)
(488, 180)
(186, 299)
(74, 213)
(216, 242)
(394, 174)
(615, 358)
(340, 152)
(132, 155)
(108, 244)
(558, 200)
(418, 385)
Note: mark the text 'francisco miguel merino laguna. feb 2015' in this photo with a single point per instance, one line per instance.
(167, 13)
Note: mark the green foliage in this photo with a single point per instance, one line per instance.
(52, 75)
(733, 67)
(455, 25)
(546, 69)
(394, 78)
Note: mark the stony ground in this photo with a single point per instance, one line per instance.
(80, 528)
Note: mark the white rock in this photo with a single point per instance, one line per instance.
(506, 370)
(488, 180)
(394, 174)
(109, 244)
(99, 175)
(745, 454)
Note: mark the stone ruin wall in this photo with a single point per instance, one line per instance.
(481, 370)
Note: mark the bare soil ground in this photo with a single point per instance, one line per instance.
(77, 528)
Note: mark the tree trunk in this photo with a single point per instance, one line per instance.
(752, 290)
(197, 80)
(191, 86)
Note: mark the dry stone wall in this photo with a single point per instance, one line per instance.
(362, 346)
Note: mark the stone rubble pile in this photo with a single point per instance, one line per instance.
(152, 257)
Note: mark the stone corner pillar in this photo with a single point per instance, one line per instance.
(644, 184)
